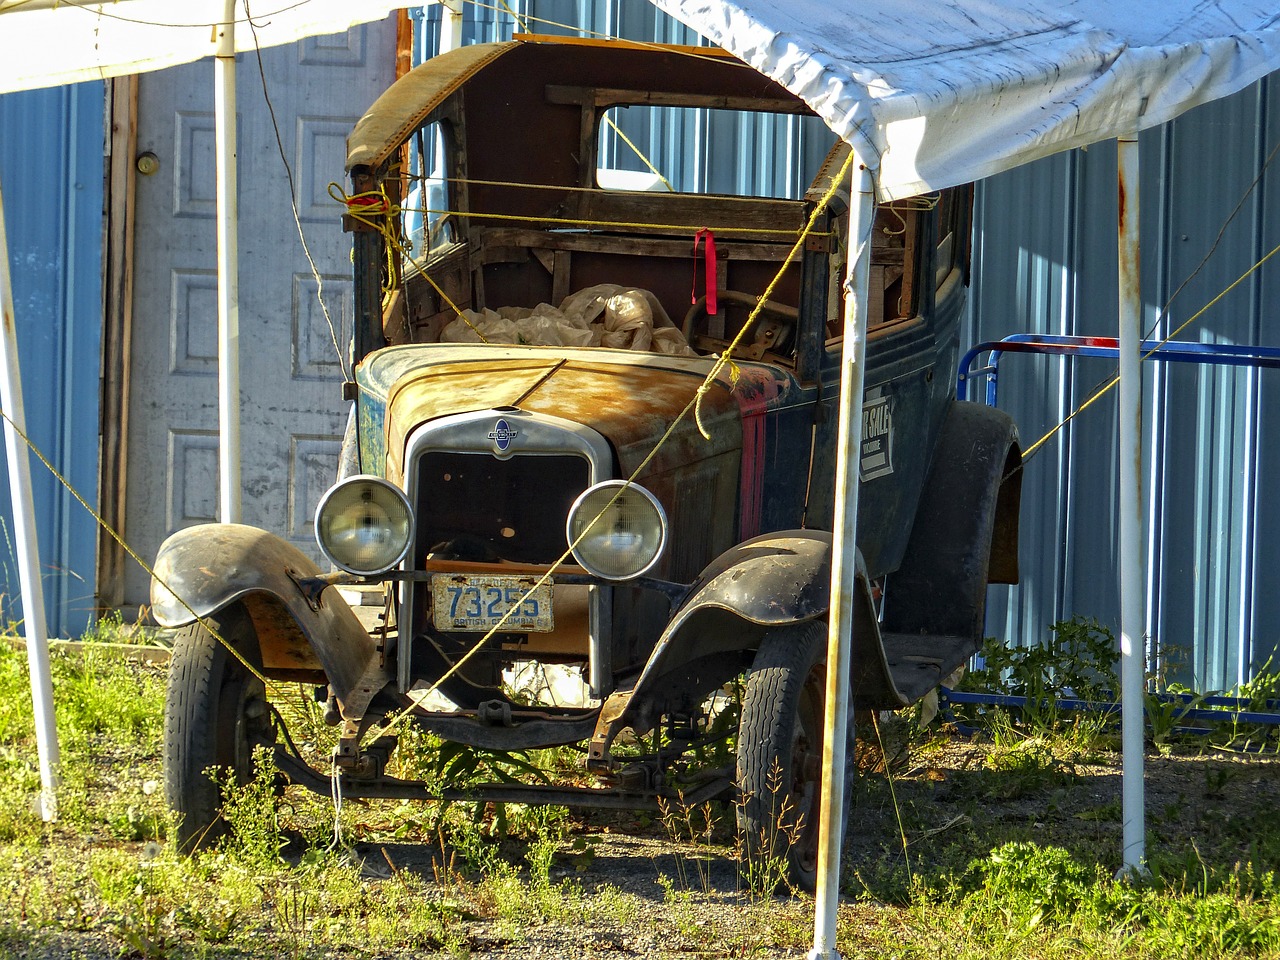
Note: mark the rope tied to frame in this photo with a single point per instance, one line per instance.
(365, 207)
(726, 358)
(375, 210)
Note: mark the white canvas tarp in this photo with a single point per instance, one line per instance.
(940, 92)
(47, 43)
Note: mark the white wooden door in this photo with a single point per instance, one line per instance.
(292, 412)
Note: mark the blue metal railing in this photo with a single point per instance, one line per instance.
(1172, 351)
(1186, 706)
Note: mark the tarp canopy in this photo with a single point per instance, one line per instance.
(51, 42)
(938, 92)
(930, 92)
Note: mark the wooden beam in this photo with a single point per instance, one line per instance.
(117, 334)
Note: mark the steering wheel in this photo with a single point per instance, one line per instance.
(770, 328)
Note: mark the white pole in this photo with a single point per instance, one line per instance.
(1132, 648)
(844, 567)
(224, 98)
(24, 521)
(450, 26)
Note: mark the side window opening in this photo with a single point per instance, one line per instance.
(894, 299)
(709, 150)
(425, 222)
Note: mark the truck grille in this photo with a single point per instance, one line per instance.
(473, 506)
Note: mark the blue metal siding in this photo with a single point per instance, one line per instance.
(1047, 263)
(51, 145)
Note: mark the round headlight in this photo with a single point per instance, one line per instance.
(363, 525)
(617, 535)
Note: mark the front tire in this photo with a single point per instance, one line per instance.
(780, 753)
(215, 714)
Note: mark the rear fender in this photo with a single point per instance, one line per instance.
(310, 637)
(966, 528)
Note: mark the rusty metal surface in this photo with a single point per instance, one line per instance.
(630, 399)
(405, 104)
(213, 565)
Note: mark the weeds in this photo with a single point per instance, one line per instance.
(692, 826)
(1004, 850)
(251, 812)
(1077, 661)
(764, 861)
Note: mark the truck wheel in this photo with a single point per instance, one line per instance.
(215, 712)
(780, 753)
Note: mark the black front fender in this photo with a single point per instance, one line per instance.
(767, 582)
(776, 578)
(301, 635)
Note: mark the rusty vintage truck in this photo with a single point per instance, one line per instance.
(528, 493)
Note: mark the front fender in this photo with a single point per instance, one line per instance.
(766, 582)
(769, 581)
(310, 639)
(772, 579)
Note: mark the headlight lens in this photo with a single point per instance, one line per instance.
(363, 525)
(629, 535)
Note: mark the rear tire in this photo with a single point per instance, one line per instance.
(215, 714)
(780, 752)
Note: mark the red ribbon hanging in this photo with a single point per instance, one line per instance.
(710, 280)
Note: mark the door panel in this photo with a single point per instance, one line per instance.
(292, 413)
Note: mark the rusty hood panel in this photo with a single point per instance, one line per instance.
(631, 399)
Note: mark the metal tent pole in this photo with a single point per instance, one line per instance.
(450, 25)
(1132, 647)
(224, 97)
(28, 556)
(844, 566)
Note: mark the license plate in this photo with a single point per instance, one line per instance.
(475, 603)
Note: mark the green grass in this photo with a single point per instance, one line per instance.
(1006, 847)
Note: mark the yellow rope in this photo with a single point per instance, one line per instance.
(610, 224)
(129, 550)
(636, 150)
(381, 217)
(567, 188)
(726, 357)
(712, 52)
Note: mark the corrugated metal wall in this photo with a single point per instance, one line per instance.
(1046, 262)
(51, 144)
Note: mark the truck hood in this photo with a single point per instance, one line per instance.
(630, 398)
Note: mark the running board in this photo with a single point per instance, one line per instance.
(920, 662)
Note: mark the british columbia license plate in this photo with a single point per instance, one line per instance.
(477, 602)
